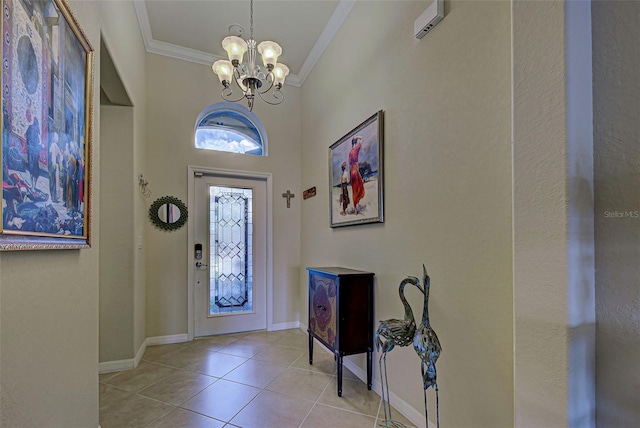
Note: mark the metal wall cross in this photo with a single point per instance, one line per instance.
(288, 195)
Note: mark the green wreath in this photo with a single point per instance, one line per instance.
(158, 222)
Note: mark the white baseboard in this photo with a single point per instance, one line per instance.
(132, 363)
(167, 340)
(399, 404)
(140, 353)
(285, 326)
(116, 366)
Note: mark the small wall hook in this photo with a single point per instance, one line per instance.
(144, 186)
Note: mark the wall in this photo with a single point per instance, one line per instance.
(116, 246)
(554, 299)
(49, 300)
(177, 92)
(447, 160)
(49, 311)
(121, 35)
(616, 67)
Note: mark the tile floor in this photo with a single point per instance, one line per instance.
(258, 379)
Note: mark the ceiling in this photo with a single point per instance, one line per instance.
(192, 30)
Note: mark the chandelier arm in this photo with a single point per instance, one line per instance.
(237, 77)
(227, 92)
(268, 81)
(275, 94)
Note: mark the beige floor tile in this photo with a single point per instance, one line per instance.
(264, 336)
(155, 351)
(256, 373)
(270, 409)
(294, 338)
(246, 348)
(180, 418)
(355, 397)
(146, 374)
(173, 373)
(178, 387)
(111, 397)
(134, 412)
(222, 400)
(104, 376)
(284, 355)
(216, 364)
(300, 383)
(224, 339)
(323, 362)
(348, 374)
(181, 356)
(396, 416)
(205, 345)
(324, 416)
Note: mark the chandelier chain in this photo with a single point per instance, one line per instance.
(251, 15)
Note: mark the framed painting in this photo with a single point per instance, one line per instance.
(356, 175)
(47, 99)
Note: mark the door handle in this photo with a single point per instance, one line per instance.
(199, 265)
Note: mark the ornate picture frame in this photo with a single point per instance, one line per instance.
(47, 114)
(356, 175)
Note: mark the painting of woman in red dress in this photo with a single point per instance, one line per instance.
(357, 184)
(355, 161)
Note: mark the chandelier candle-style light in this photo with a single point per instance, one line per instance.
(249, 76)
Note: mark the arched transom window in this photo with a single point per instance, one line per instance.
(230, 127)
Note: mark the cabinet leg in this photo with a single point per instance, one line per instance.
(369, 368)
(310, 349)
(339, 375)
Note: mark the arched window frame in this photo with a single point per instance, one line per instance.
(240, 110)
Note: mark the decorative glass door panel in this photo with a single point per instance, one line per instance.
(231, 250)
(230, 223)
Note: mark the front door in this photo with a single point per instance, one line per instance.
(230, 276)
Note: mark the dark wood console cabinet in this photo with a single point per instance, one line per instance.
(341, 314)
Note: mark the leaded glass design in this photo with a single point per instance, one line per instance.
(231, 250)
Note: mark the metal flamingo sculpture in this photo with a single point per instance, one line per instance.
(395, 332)
(427, 346)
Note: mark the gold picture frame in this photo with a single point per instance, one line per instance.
(47, 118)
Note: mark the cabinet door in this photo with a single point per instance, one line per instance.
(356, 314)
(322, 308)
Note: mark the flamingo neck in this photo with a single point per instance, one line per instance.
(425, 308)
(408, 313)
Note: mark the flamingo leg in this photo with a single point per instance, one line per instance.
(386, 385)
(437, 408)
(382, 381)
(386, 403)
(426, 410)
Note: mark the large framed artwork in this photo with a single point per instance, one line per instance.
(356, 175)
(47, 99)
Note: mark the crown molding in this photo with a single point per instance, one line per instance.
(192, 55)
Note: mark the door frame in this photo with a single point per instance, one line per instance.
(226, 173)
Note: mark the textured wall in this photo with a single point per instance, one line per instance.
(554, 320)
(174, 105)
(49, 310)
(447, 189)
(121, 35)
(116, 245)
(616, 92)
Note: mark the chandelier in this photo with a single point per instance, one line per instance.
(251, 78)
